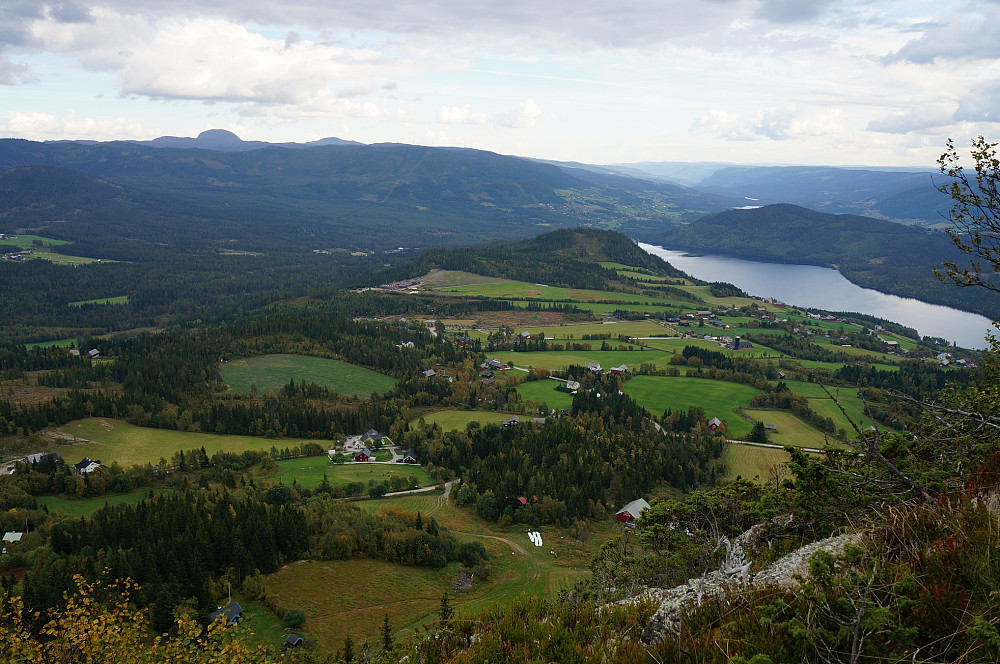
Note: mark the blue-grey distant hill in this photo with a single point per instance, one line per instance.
(906, 196)
(250, 196)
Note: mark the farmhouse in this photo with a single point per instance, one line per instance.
(631, 512)
(495, 365)
(572, 385)
(371, 436)
(619, 370)
(12, 537)
(86, 465)
(430, 373)
(511, 421)
(363, 456)
(38, 456)
(410, 456)
(232, 613)
(93, 354)
(594, 366)
(714, 424)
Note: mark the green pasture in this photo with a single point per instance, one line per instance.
(718, 398)
(792, 431)
(117, 299)
(546, 391)
(87, 506)
(272, 372)
(751, 462)
(453, 278)
(65, 259)
(338, 596)
(55, 343)
(28, 241)
(113, 440)
(576, 332)
(453, 420)
(309, 471)
(560, 359)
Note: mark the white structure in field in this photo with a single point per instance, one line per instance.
(535, 537)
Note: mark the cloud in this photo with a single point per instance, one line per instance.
(42, 126)
(525, 115)
(982, 105)
(791, 11)
(70, 12)
(973, 32)
(776, 124)
(924, 118)
(460, 115)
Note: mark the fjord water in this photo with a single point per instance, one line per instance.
(827, 289)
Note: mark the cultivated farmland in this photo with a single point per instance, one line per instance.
(272, 372)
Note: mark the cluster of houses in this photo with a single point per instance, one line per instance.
(944, 359)
(91, 354)
(494, 365)
(401, 285)
(359, 447)
(84, 467)
(17, 255)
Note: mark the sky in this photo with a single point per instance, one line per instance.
(839, 82)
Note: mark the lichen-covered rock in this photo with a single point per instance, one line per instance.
(674, 602)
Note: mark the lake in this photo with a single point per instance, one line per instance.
(827, 289)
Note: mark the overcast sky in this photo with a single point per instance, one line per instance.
(859, 82)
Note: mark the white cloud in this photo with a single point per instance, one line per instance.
(971, 32)
(525, 115)
(42, 126)
(778, 124)
(925, 118)
(461, 115)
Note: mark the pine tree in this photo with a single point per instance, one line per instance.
(445, 612)
(387, 640)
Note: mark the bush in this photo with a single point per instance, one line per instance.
(294, 618)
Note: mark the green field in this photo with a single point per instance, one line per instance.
(576, 331)
(28, 241)
(751, 462)
(338, 596)
(117, 299)
(113, 440)
(65, 259)
(792, 431)
(546, 391)
(309, 471)
(560, 359)
(55, 343)
(718, 398)
(824, 405)
(272, 372)
(453, 420)
(86, 506)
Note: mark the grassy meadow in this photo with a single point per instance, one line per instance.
(546, 391)
(114, 440)
(116, 299)
(718, 398)
(340, 596)
(751, 462)
(792, 431)
(309, 471)
(87, 506)
(272, 372)
(452, 420)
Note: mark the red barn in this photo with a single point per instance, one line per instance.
(632, 511)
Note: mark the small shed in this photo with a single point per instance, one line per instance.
(12, 537)
(430, 373)
(93, 353)
(293, 640)
(231, 613)
(714, 423)
(631, 512)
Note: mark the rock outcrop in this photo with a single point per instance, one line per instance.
(731, 577)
